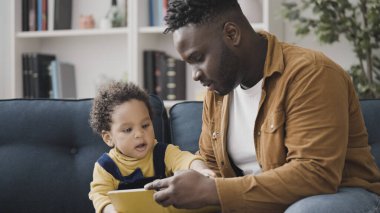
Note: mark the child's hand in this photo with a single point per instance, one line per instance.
(109, 209)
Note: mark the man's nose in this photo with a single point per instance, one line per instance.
(196, 74)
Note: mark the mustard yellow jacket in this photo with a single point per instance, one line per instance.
(310, 137)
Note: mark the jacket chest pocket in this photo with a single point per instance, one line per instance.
(272, 140)
(274, 121)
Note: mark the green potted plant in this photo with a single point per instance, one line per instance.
(358, 22)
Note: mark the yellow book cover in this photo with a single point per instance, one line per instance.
(141, 201)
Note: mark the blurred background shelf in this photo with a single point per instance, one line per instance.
(100, 55)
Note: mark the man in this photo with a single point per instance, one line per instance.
(280, 123)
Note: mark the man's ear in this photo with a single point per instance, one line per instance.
(107, 138)
(232, 33)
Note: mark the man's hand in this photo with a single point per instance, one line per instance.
(109, 209)
(201, 167)
(186, 189)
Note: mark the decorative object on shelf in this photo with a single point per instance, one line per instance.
(105, 23)
(86, 22)
(359, 23)
(115, 15)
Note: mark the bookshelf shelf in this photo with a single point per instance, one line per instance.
(152, 30)
(113, 54)
(69, 33)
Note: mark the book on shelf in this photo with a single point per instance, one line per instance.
(31, 14)
(36, 75)
(42, 15)
(148, 57)
(25, 15)
(62, 14)
(157, 11)
(160, 73)
(176, 79)
(46, 77)
(164, 75)
(62, 80)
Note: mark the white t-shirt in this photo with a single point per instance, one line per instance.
(244, 107)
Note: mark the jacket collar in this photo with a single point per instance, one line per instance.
(274, 61)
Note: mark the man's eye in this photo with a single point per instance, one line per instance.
(145, 126)
(195, 58)
(198, 58)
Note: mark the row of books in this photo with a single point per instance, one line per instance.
(157, 11)
(42, 15)
(164, 75)
(46, 77)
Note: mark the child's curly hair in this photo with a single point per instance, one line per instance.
(111, 95)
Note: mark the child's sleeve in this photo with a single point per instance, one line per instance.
(102, 183)
(175, 159)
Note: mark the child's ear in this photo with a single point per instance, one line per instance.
(106, 135)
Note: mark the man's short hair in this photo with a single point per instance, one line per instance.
(183, 12)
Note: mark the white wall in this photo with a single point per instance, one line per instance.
(5, 49)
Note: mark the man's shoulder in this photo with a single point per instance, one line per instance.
(296, 54)
(299, 60)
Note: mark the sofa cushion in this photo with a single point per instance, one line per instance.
(371, 114)
(185, 124)
(47, 153)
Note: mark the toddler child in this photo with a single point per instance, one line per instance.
(122, 115)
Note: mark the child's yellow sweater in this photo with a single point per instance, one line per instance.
(103, 182)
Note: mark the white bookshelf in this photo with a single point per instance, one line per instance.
(101, 54)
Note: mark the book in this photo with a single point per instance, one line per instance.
(39, 15)
(160, 68)
(164, 75)
(141, 200)
(25, 76)
(32, 11)
(25, 15)
(44, 15)
(176, 79)
(180, 79)
(62, 14)
(51, 5)
(171, 79)
(41, 79)
(149, 63)
(62, 80)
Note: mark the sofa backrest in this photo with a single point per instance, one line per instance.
(371, 114)
(48, 151)
(186, 120)
(185, 124)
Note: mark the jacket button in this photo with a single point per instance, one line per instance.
(271, 126)
(258, 133)
(214, 135)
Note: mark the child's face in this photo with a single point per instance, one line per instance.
(131, 129)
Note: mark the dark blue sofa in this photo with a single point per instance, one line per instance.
(47, 150)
